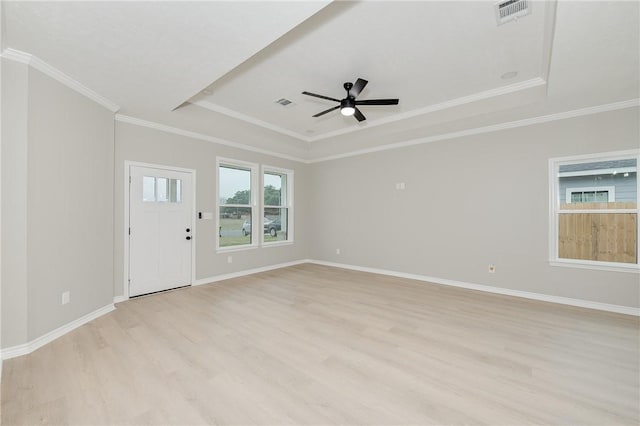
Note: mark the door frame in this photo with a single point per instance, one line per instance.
(127, 224)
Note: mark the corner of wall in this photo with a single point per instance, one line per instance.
(52, 129)
(13, 193)
(2, 39)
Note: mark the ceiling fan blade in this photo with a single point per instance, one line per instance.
(326, 111)
(378, 102)
(320, 96)
(357, 87)
(358, 115)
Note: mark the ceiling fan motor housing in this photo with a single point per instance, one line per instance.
(348, 102)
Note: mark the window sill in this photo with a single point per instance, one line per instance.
(277, 244)
(599, 266)
(235, 248)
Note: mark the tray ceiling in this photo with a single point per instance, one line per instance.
(217, 68)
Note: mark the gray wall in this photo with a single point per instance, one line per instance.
(141, 144)
(1, 66)
(58, 180)
(14, 194)
(468, 202)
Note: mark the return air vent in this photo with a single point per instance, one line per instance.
(511, 9)
(284, 102)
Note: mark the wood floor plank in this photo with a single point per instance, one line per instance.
(316, 345)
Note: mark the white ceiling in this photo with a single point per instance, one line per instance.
(444, 60)
(148, 55)
(424, 53)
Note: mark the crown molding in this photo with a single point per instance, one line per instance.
(487, 94)
(631, 103)
(234, 114)
(549, 19)
(194, 135)
(16, 56)
(40, 65)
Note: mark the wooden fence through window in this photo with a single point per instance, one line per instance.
(608, 237)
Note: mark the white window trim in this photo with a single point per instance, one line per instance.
(599, 172)
(611, 192)
(554, 212)
(253, 204)
(289, 205)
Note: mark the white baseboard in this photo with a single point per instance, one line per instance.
(222, 277)
(215, 278)
(628, 310)
(118, 299)
(31, 346)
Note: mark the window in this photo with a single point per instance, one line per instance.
(594, 211)
(277, 204)
(149, 189)
(161, 190)
(236, 203)
(605, 194)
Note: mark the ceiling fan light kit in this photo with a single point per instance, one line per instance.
(349, 105)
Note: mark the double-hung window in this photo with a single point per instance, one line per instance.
(277, 202)
(237, 201)
(594, 211)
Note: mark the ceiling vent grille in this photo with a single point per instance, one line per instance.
(284, 102)
(511, 9)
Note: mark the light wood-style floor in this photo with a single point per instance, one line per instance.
(318, 345)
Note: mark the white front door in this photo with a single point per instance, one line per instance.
(160, 229)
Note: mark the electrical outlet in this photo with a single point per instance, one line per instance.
(492, 268)
(66, 297)
(229, 259)
(337, 251)
(400, 185)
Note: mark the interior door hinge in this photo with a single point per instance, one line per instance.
(129, 231)
(129, 179)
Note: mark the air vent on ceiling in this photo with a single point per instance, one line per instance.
(284, 102)
(511, 9)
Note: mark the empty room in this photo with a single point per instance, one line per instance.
(319, 212)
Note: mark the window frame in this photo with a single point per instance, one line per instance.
(555, 211)
(253, 168)
(288, 204)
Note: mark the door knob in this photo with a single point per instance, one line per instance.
(188, 237)
(188, 229)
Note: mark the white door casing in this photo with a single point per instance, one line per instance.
(160, 229)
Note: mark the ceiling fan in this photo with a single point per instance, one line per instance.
(349, 105)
